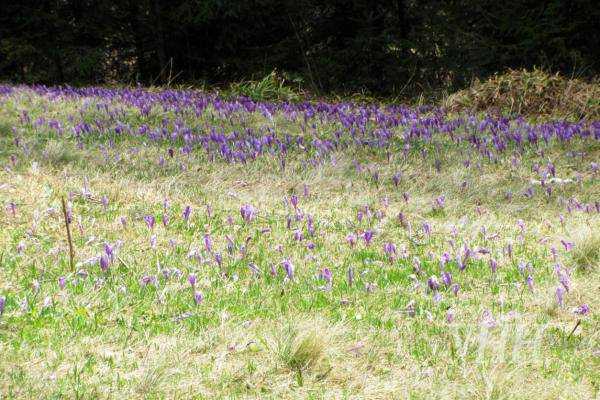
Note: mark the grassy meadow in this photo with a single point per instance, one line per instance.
(238, 249)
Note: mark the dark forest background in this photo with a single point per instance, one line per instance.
(388, 47)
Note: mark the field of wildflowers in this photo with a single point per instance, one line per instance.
(238, 249)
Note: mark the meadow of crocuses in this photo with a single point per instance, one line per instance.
(226, 248)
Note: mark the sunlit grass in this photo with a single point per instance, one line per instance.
(257, 334)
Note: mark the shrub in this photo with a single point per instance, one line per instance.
(272, 87)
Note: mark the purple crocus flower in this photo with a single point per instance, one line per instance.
(294, 200)
(104, 201)
(426, 228)
(446, 278)
(560, 292)
(123, 221)
(351, 239)
(310, 225)
(433, 283)
(327, 276)
(150, 221)
(207, 242)
(288, 268)
(247, 212)
(109, 251)
(165, 220)
(298, 236)
(62, 282)
(493, 265)
(455, 288)
(583, 309)
(13, 208)
(254, 269)
(104, 262)
(198, 297)
(488, 320)
(567, 245)
(148, 280)
(368, 236)
(440, 202)
(219, 259)
(390, 249)
(187, 211)
(529, 282)
(2, 304)
(410, 309)
(416, 265)
(450, 316)
(192, 279)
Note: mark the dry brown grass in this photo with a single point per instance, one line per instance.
(532, 93)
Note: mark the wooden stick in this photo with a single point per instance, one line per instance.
(573, 331)
(67, 225)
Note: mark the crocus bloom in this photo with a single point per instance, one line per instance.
(426, 228)
(289, 269)
(488, 320)
(410, 309)
(455, 288)
(294, 200)
(254, 269)
(450, 315)
(298, 236)
(198, 297)
(104, 201)
(368, 236)
(192, 280)
(62, 281)
(416, 265)
(310, 225)
(247, 212)
(104, 262)
(47, 302)
(186, 213)
(529, 281)
(148, 280)
(207, 242)
(563, 277)
(165, 220)
(493, 265)
(439, 202)
(567, 245)
(150, 221)
(446, 278)
(390, 249)
(583, 309)
(560, 292)
(351, 239)
(433, 283)
(2, 304)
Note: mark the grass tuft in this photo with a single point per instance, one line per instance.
(586, 252)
